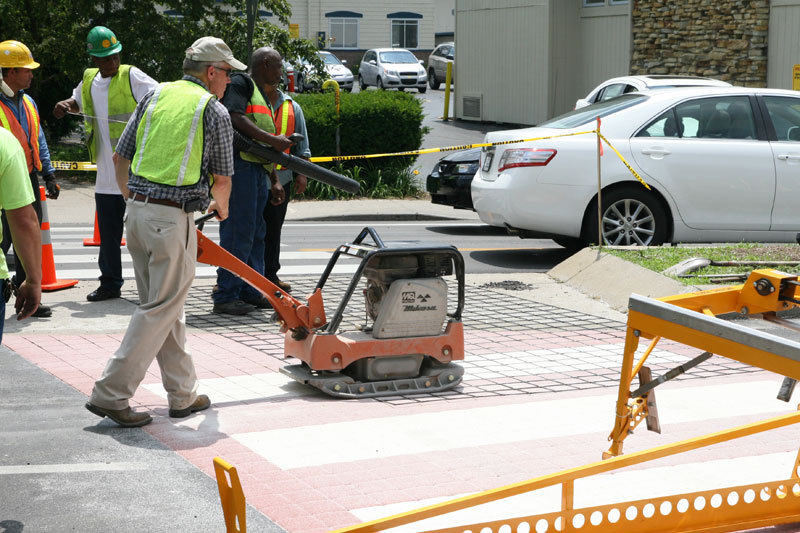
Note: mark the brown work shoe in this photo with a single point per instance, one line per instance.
(200, 404)
(283, 285)
(127, 418)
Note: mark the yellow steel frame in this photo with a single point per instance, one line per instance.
(725, 509)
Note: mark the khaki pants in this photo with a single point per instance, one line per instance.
(163, 245)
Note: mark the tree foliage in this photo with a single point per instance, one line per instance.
(55, 31)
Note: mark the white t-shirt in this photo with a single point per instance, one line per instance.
(141, 84)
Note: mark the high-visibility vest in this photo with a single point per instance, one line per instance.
(29, 142)
(260, 113)
(169, 138)
(284, 123)
(121, 105)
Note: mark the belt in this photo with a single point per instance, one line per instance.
(142, 198)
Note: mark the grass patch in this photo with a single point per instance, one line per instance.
(660, 258)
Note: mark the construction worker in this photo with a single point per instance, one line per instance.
(16, 198)
(106, 96)
(176, 147)
(243, 233)
(19, 114)
(289, 119)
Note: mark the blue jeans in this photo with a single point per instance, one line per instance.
(110, 212)
(242, 233)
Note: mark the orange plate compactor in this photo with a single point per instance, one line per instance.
(410, 340)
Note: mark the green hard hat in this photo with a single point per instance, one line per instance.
(102, 42)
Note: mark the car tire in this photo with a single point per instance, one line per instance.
(631, 216)
(361, 84)
(380, 84)
(422, 89)
(432, 81)
(572, 244)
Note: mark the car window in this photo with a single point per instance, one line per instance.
(447, 51)
(330, 59)
(665, 125)
(398, 57)
(589, 113)
(785, 114)
(612, 91)
(725, 117)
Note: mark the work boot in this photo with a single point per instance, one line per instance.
(103, 293)
(127, 418)
(234, 307)
(260, 302)
(283, 285)
(200, 404)
(43, 311)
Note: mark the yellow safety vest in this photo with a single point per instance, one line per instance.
(121, 105)
(259, 112)
(169, 138)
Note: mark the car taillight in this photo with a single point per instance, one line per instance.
(525, 157)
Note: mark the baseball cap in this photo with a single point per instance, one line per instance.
(212, 50)
(5, 88)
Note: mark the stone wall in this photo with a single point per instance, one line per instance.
(723, 39)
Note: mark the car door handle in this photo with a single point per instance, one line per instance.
(789, 157)
(655, 151)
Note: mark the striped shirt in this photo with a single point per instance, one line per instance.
(217, 152)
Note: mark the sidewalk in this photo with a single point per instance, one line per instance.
(541, 371)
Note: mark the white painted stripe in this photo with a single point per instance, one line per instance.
(71, 468)
(624, 485)
(245, 388)
(208, 271)
(285, 256)
(374, 224)
(443, 431)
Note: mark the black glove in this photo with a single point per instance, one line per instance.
(52, 187)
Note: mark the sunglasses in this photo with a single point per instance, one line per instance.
(227, 71)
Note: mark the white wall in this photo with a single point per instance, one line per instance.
(784, 42)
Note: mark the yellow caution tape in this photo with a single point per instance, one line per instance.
(74, 165)
(434, 150)
(85, 166)
(624, 162)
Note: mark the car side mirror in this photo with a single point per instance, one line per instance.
(372, 62)
(449, 56)
(421, 62)
(344, 61)
(581, 103)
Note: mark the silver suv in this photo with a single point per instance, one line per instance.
(437, 64)
(388, 68)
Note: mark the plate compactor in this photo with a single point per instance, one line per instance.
(410, 340)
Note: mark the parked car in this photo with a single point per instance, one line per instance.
(288, 71)
(391, 67)
(628, 84)
(441, 56)
(334, 68)
(722, 164)
(449, 181)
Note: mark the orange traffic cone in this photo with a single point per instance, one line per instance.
(94, 240)
(49, 280)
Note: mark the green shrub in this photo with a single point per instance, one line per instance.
(371, 122)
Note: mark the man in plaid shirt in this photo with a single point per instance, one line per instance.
(166, 162)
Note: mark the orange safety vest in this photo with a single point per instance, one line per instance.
(29, 142)
(284, 123)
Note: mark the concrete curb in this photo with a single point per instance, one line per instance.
(611, 279)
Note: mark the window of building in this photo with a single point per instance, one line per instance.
(343, 29)
(405, 29)
(597, 3)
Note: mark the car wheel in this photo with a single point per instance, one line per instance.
(361, 84)
(631, 217)
(422, 89)
(380, 84)
(432, 81)
(570, 243)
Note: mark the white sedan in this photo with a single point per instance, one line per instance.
(722, 163)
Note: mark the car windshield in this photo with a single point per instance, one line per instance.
(398, 57)
(330, 59)
(589, 113)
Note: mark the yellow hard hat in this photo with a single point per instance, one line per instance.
(14, 54)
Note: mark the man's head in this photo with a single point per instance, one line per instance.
(266, 66)
(17, 63)
(103, 46)
(211, 60)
